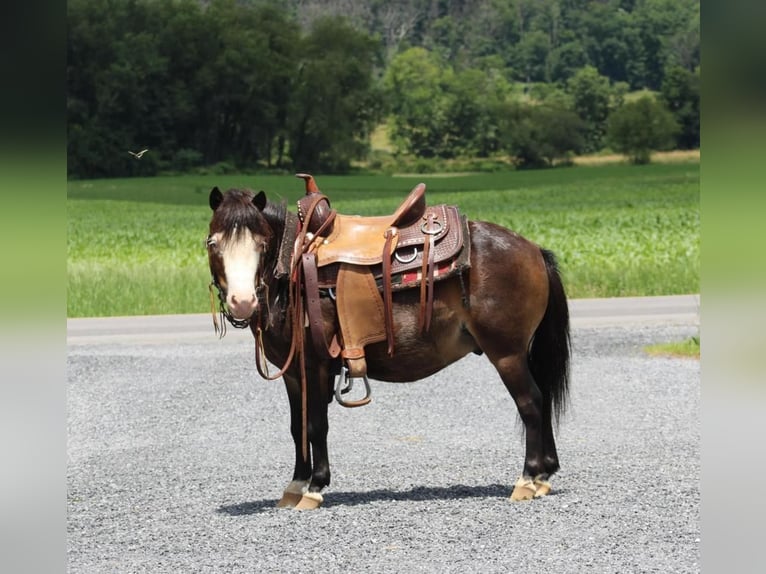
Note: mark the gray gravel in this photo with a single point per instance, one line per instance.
(178, 453)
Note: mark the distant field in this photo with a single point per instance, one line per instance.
(135, 246)
(692, 155)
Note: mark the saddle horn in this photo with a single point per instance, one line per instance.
(311, 184)
(314, 204)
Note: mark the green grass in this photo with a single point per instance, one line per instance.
(135, 246)
(688, 348)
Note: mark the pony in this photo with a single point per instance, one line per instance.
(508, 304)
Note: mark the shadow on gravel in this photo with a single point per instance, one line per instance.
(418, 494)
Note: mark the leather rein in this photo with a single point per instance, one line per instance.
(304, 244)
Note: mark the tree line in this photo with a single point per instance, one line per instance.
(231, 85)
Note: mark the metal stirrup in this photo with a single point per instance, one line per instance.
(340, 390)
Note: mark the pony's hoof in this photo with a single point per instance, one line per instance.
(310, 501)
(289, 500)
(292, 495)
(524, 489)
(542, 487)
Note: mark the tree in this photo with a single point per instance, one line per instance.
(113, 67)
(602, 28)
(438, 112)
(396, 20)
(681, 94)
(566, 59)
(532, 60)
(271, 79)
(667, 33)
(333, 107)
(639, 127)
(538, 135)
(415, 84)
(592, 101)
(254, 83)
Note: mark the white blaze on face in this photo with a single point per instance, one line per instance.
(241, 259)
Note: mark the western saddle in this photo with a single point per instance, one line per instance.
(361, 261)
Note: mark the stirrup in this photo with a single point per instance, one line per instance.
(349, 384)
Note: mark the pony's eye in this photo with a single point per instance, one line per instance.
(210, 242)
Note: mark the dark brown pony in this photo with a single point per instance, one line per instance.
(509, 304)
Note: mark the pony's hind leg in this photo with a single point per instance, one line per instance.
(515, 299)
(533, 483)
(514, 371)
(550, 456)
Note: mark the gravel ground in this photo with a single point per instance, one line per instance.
(178, 453)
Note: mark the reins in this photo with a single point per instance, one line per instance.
(305, 243)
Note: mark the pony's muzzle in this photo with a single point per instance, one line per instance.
(242, 306)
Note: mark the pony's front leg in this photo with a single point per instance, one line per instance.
(304, 491)
(299, 484)
(319, 397)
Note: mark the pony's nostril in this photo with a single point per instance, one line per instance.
(242, 301)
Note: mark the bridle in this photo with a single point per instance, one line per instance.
(223, 309)
(223, 312)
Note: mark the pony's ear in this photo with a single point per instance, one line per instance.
(216, 197)
(259, 200)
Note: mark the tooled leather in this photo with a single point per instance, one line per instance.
(447, 244)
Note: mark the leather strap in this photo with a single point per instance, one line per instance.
(388, 306)
(427, 275)
(314, 309)
(430, 280)
(303, 244)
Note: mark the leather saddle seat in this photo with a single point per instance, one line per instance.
(359, 240)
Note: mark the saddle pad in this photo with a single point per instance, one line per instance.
(286, 245)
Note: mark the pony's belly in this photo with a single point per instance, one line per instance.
(418, 358)
(399, 372)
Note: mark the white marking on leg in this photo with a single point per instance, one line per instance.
(297, 487)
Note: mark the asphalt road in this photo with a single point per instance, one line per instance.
(177, 453)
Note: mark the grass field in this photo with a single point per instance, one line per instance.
(135, 246)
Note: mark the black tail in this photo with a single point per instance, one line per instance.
(550, 349)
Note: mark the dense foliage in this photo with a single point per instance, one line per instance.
(639, 127)
(224, 85)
